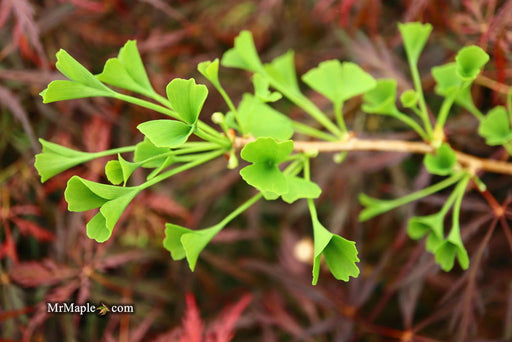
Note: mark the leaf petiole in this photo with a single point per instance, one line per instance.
(243, 207)
(411, 123)
(374, 207)
(194, 147)
(441, 118)
(459, 192)
(312, 132)
(198, 161)
(421, 98)
(147, 104)
(339, 117)
(308, 106)
(206, 134)
(105, 153)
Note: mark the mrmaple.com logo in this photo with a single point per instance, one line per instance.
(81, 309)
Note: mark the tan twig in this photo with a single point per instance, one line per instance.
(356, 144)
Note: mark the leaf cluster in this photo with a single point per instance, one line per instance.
(275, 169)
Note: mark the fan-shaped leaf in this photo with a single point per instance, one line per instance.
(82, 84)
(415, 36)
(243, 55)
(442, 162)
(282, 72)
(381, 99)
(183, 242)
(260, 120)
(339, 81)
(55, 159)
(187, 98)
(146, 150)
(127, 71)
(261, 90)
(300, 188)
(264, 174)
(210, 70)
(409, 98)
(470, 61)
(340, 254)
(495, 127)
(166, 133)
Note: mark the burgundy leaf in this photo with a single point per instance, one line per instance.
(223, 329)
(27, 227)
(46, 272)
(192, 323)
(25, 209)
(115, 260)
(63, 293)
(165, 205)
(12, 102)
(8, 247)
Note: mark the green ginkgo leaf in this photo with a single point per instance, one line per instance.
(119, 171)
(452, 247)
(55, 159)
(114, 172)
(381, 99)
(210, 70)
(434, 240)
(187, 98)
(495, 127)
(243, 55)
(267, 150)
(127, 71)
(83, 195)
(282, 73)
(340, 254)
(300, 188)
(62, 90)
(446, 253)
(341, 257)
(470, 60)
(419, 226)
(172, 241)
(409, 98)
(448, 83)
(147, 150)
(415, 36)
(442, 162)
(265, 177)
(96, 228)
(260, 120)
(261, 89)
(75, 71)
(430, 225)
(111, 211)
(186, 243)
(339, 81)
(82, 83)
(264, 173)
(166, 133)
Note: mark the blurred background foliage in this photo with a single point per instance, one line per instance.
(252, 282)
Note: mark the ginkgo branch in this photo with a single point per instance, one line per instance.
(473, 163)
